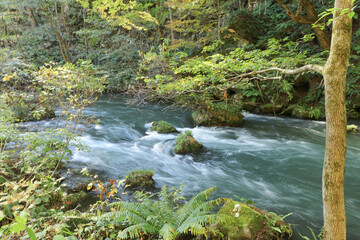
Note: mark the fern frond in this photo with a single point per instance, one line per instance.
(206, 207)
(168, 232)
(118, 216)
(134, 207)
(195, 229)
(135, 231)
(194, 203)
(131, 232)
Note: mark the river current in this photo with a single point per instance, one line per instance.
(275, 162)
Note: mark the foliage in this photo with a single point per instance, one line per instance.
(30, 161)
(123, 13)
(165, 218)
(186, 144)
(163, 127)
(206, 80)
(140, 178)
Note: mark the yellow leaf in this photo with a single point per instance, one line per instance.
(231, 30)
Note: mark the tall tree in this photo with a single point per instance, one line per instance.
(334, 74)
(310, 18)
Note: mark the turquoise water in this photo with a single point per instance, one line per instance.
(276, 162)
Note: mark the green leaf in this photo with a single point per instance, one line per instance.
(351, 14)
(31, 233)
(1, 215)
(59, 237)
(2, 179)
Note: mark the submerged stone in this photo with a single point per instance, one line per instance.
(186, 144)
(248, 222)
(140, 178)
(163, 127)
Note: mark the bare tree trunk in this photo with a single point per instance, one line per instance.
(335, 149)
(31, 16)
(19, 44)
(323, 37)
(171, 25)
(311, 18)
(86, 36)
(5, 31)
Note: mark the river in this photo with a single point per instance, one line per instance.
(276, 162)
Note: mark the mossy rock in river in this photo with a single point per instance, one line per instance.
(140, 178)
(186, 144)
(248, 222)
(163, 127)
(219, 115)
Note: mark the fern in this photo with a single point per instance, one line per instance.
(164, 218)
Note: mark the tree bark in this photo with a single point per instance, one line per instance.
(311, 18)
(31, 16)
(334, 73)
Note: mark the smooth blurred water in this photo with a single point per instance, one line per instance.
(276, 162)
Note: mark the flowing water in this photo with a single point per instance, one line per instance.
(276, 162)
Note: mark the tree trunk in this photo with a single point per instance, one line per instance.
(335, 149)
(31, 16)
(323, 38)
(311, 18)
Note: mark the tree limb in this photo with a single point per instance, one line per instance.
(306, 68)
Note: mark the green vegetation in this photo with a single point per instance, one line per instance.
(163, 127)
(165, 218)
(140, 178)
(249, 222)
(216, 57)
(186, 144)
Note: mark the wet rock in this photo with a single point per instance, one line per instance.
(163, 127)
(249, 106)
(186, 144)
(140, 178)
(72, 200)
(83, 186)
(219, 115)
(248, 222)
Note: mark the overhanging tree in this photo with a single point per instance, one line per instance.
(334, 73)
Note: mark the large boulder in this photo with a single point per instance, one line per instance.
(186, 144)
(163, 127)
(219, 115)
(140, 178)
(248, 222)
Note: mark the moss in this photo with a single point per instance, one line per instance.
(186, 144)
(140, 178)
(219, 115)
(248, 222)
(163, 127)
(244, 222)
(300, 113)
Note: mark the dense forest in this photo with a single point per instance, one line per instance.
(218, 58)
